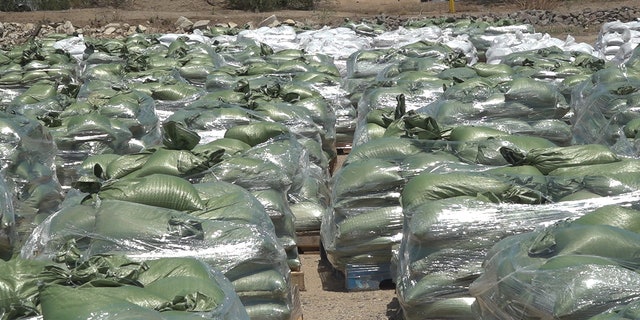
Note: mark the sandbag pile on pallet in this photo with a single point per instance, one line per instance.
(584, 268)
(73, 286)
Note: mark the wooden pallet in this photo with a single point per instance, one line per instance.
(356, 277)
(342, 149)
(308, 241)
(296, 313)
(359, 277)
(297, 279)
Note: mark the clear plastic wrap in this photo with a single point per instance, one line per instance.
(604, 107)
(242, 252)
(28, 154)
(579, 269)
(617, 40)
(271, 171)
(446, 242)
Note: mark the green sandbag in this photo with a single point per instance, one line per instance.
(423, 217)
(579, 195)
(536, 94)
(174, 92)
(549, 159)
(277, 206)
(59, 302)
(256, 133)
(435, 161)
(489, 149)
(20, 282)
(288, 154)
(37, 92)
(632, 128)
(138, 296)
(121, 166)
(429, 186)
(174, 162)
(471, 90)
(366, 177)
(450, 112)
(445, 308)
(378, 222)
(458, 73)
(613, 215)
(230, 146)
(230, 202)
(176, 135)
(474, 133)
(158, 190)
(625, 165)
(613, 184)
(98, 160)
(265, 284)
(586, 239)
(308, 215)
(381, 116)
(385, 149)
(249, 173)
(268, 311)
(196, 294)
(484, 69)
(174, 267)
(284, 113)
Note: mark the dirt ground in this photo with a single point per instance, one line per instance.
(319, 301)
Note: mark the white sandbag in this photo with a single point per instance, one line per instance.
(402, 36)
(75, 46)
(278, 38)
(339, 43)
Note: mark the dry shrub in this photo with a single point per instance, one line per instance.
(537, 4)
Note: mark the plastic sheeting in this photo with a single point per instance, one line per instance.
(241, 251)
(572, 269)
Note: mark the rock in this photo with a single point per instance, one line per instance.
(141, 28)
(232, 25)
(268, 22)
(183, 23)
(289, 22)
(66, 28)
(249, 25)
(109, 30)
(201, 24)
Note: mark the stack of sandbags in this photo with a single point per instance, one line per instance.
(604, 107)
(617, 40)
(584, 268)
(149, 218)
(453, 218)
(75, 287)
